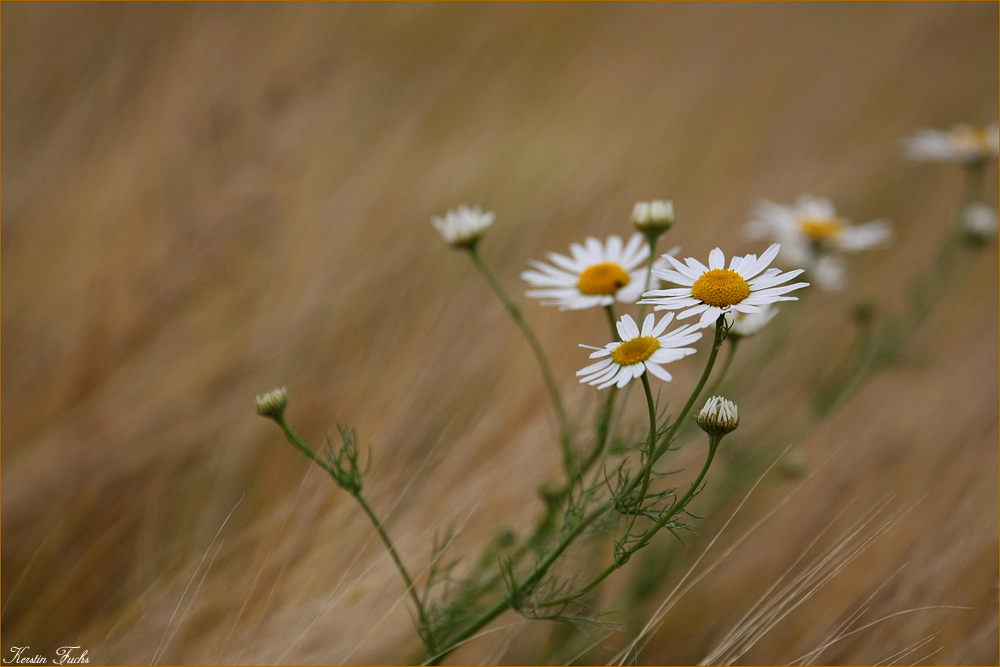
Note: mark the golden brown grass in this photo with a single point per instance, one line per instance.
(202, 202)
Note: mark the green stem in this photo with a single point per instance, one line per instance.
(536, 347)
(973, 191)
(733, 342)
(713, 445)
(500, 606)
(604, 442)
(651, 239)
(532, 580)
(410, 587)
(720, 335)
(612, 322)
(651, 447)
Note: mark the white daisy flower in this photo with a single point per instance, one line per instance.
(464, 226)
(639, 351)
(712, 290)
(744, 325)
(596, 275)
(962, 143)
(653, 216)
(979, 221)
(810, 231)
(812, 225)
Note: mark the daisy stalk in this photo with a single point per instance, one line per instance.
(540, 570)
(652, 219)
(717, 419)
(620, 364)
(342, 468)
(727, 362)
(720, 335)
(565, 434)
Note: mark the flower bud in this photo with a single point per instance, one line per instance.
(654, 216)
(461, 228)
(979, 222)
(551, 492)
(272, 404)
(718, 417)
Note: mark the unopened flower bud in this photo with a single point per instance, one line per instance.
(551, 492)
(461, 228)
(653, 216)
(272, 404)
(979, 222)
(718, 417)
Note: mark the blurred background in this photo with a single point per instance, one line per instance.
(204, 201)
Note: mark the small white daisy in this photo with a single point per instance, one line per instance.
(962, 143)
(744, 325)
(596, 275)
(810, 231)
(464, 226)
(639, 351)
(713, 290)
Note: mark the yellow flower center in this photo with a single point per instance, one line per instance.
(635, 350)
(820, 229)
(606, 278)
(721, 288)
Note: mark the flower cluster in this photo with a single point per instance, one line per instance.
(737, 296)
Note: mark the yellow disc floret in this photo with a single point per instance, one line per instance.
(721, 288)
(635, 351)
(820, 229)
(606, 278)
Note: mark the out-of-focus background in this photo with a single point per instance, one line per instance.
(204, 201)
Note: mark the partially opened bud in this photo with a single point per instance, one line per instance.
(718, 417)
(461, 228)
(653, 216)
(272, 404)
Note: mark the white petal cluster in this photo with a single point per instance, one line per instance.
(962, 143)
(273, 403)
(812, 236)
(657, 216)
(719, 416)
(763, 287)
(558, 283)
(611, 370)
(464, 226)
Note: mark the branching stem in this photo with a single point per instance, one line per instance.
(299, 444)
(565, 434)
(720, 336)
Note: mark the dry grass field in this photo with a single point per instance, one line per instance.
(201, 202)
